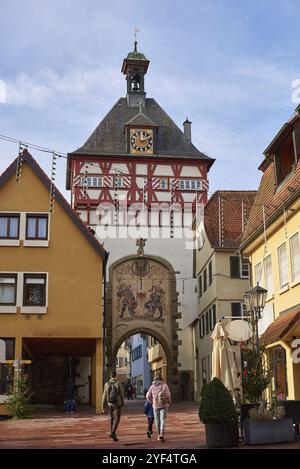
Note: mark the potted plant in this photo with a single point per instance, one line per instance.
(218, 413)
(268, 425)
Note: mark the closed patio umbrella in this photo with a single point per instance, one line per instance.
(224, 365)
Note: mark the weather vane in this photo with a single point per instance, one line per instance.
(136, 30)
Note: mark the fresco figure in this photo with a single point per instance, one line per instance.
(155, 302)
(128, 300)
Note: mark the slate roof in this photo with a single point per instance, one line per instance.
(59, 198)
(108, 137)
(282, 325)
(223, 220)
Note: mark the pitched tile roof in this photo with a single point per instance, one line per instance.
(108, 137)
(225, 216)
(280, 327)
(11, 170)
(271, 199)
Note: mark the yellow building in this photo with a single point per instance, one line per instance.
(51, 284)
(271, 241)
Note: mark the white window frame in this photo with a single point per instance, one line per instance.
(19, 296)
(41, 243)
(257, 270)
(164, 184)
(11, 308)
(186, 184)
(268, 287)
(281, 284)
(244, 261)
(91, 181)
(119, 182)
(294, 278)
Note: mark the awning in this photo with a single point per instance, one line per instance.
(281, 327)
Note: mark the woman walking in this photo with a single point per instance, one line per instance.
(160, 397)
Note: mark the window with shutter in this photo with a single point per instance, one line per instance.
(206, 322)
(204, 280)
(213, 317)
(203, 325)
(200, 286)
(210, 273)
(235, 267)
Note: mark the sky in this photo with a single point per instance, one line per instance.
(231, 67)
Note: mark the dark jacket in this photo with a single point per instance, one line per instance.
(70, 391)
(148, 409)
(120, 398)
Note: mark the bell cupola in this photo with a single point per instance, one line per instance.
(135, 67)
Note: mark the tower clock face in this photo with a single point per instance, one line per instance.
(141, 141)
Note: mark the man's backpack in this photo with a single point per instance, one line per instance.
(112, 394)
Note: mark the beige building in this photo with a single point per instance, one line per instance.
(222, 275)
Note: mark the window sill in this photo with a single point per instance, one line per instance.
(36, 243)
(295, 283)
(10, 242)
(269, 298)
(283, 290)
(8, 309)
(34, 309)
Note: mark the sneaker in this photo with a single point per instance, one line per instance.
(158, 438)
(161, 438)
(149, 434)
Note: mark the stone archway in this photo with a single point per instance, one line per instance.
(141, 298)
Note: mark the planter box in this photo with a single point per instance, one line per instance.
(221, 435)
(268, 431)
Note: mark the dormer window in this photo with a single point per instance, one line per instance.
(285, 159)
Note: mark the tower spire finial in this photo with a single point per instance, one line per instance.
(136, 30)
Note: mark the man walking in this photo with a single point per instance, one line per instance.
(160, 397)
(113, 398)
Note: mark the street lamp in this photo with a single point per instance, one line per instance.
(255, 300)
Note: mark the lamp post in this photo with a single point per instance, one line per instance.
(255, 300)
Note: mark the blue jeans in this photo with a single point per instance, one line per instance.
(70, 405)
(160, 417)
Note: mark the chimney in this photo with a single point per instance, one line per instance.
(187, 129)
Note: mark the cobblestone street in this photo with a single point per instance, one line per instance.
(85, 430)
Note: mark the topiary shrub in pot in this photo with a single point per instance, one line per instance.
(218, 413)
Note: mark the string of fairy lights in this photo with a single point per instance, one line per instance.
(24, 145)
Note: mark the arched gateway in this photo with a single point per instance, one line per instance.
(142, 298)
